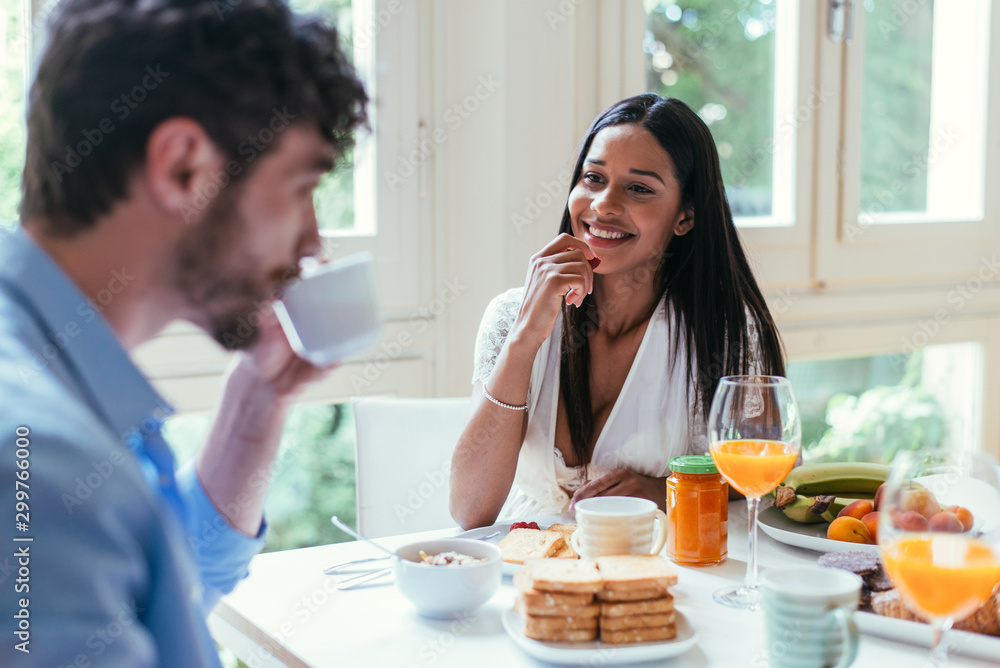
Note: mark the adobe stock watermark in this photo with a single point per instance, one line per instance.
(248, 150)
(105, 636)
(418, 323)
(417, 497)
(902, 12)
(914, 168)
(755, 158)
(552, 191)
(453, 119)
(60, 338)
(431, 651)
(957, 299)
(562, 13)
(121, 108)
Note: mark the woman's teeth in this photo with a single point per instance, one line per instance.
(601, 234)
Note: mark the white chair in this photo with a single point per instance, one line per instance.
(403, 452)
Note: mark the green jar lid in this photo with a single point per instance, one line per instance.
(702, 464)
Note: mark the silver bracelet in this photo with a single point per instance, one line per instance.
(502, 404)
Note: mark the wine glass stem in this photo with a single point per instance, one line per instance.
(939, 648)
(751, 579)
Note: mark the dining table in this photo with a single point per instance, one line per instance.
(289, 612)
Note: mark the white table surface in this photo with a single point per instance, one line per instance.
(288, 613)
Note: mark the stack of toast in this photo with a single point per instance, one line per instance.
(636, 605)
(621, 599)
(522, 544)
(556, 599)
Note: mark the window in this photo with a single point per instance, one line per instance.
(736, 67)
(923, 112)
(869, 408)
(13, 61)
(313, 475)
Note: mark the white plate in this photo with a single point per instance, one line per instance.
(597, 653)
(775, 524)
(504, 529)
(973, 645)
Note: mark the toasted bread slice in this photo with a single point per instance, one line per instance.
(547, 599)
(567, 552)
(637, 595)
(636, 621)
(630, 572)
(522, 544)
(984, 620)
(541, 624)
(650, 607)
(563, 528)
(564, 575)
(562, 635)
(542, 609)
(645, 634)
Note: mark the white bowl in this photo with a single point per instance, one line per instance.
(446, 592)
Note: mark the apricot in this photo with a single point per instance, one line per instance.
(946, 522)
(849, 530)
(858, 509)
(916, 497)
(911, 520)
(964, 516)
(871, 523)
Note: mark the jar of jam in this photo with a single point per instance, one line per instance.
(697, 511)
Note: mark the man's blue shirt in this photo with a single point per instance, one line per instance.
(126, 555)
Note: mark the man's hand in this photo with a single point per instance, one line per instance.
(624, 482)
(272, 360)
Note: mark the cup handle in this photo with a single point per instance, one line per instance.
(845, 619)
(661, 539)
(574, 540)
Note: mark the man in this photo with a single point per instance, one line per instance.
(173, 148)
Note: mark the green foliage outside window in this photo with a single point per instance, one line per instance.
(12, 131)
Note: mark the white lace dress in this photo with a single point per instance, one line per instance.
(649, 424)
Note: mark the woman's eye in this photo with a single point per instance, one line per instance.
(590, 177)
(643, 190)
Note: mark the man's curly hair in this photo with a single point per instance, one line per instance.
(113, 70)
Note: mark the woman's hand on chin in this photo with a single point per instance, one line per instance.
(560, 270)
(625, 482)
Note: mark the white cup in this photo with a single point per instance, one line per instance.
(809, 617)
(332, 311)
(608, 525)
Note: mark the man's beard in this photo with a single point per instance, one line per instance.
(220, 280)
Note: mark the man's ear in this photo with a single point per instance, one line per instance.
(180, 162)
(685, 223)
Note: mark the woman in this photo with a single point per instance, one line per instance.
(591, 377)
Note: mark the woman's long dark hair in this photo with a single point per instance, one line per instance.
(704, 273)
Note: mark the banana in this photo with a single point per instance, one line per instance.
(837, 478)
(799, 510)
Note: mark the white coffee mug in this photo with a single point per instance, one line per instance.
(609, 525)
(809, 617)
(332, 311)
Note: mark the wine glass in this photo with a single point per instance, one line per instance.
(755, 435)
(939, 535)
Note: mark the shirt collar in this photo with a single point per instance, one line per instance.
(77, 334)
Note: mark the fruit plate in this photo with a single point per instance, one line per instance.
(597, 653)
(973, 496)
(809, 536)
(972, 645)
(504, 529)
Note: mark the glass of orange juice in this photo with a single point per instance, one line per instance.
(754, 435)
(939, 534)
